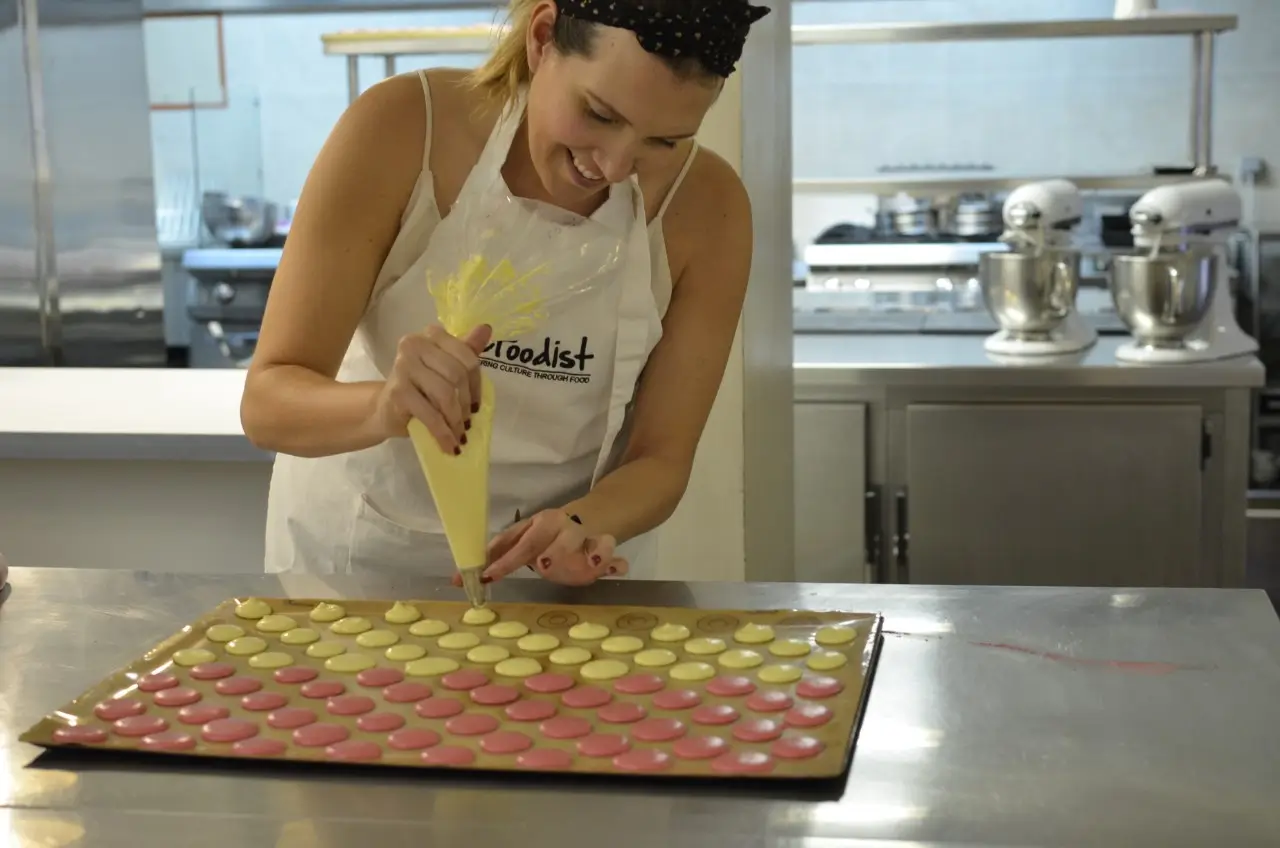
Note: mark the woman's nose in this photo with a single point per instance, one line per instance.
(618, 164)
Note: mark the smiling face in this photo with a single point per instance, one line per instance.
(595, 119)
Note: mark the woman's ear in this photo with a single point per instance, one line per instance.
(538, 38)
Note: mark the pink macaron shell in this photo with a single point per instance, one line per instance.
(639, 684)
(380, 722)
(621, 712)
(464, 679)
(139, 725)
(548, 683)
(448, 755)
(350, 705)
(406, 693)
(565, 727)
(118, 708)
(294, 674)
(732, 686)
(237, 686)
(168, 740)
(202, 713)
(471, 724)
(769, 702)
(80, 734)
(677, 699)
(526, 710)
(603, 745)
(259, 746)
(642, 760)
(157, 681)
(758, 730)
(212, 671)
(699, 747)
(494, 695)
(545, 759)
(318, 689)
(261, 702)
(743, 762)
(438, 707)
(658, 730)
(177, 697)
(505, 742)
(586, 698)
(819, 686)
(714, 714)
(797, 747)
(376, 678)
(413, 739)
(228, 730)
(291, 718)
(319, 735)
(808, 715)
(354, 750)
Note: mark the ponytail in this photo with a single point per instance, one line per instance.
(507, 70)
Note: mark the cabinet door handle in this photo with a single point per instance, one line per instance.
(875, 538)
(901, 536)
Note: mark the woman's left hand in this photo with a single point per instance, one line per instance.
(557, 548)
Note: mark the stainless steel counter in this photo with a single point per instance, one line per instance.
(923, 360)
(998, 716)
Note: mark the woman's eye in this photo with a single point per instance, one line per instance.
(594, 115)
(665, 142)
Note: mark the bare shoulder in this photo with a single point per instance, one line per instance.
(711, 206)
(454, 103)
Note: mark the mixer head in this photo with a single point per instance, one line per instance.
(1041, 215)
(1176, 217)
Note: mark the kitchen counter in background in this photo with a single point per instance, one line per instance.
(996, 716)
(990, 459)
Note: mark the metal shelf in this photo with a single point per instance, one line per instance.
(923, 186)
(410, 42)
(1152, 25)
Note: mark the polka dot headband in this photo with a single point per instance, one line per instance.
(713, 32)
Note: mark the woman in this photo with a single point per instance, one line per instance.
(587, 106)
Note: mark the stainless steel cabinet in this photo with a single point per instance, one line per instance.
(831, 493)
(1047, 494)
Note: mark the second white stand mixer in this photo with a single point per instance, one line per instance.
(1174, 295)
(1031, 289)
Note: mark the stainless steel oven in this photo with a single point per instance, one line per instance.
(226, 303)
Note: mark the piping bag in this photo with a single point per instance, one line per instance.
(506, 261)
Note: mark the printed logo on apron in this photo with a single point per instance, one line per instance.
(557, 360)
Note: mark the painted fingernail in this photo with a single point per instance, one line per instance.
(613, 569)
(464, 438)
(467, 424)
(475, 407)
(545, 562)
(457, 451)
(595, 559)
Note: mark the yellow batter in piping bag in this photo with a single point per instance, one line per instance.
(460, 485)
(501, 279)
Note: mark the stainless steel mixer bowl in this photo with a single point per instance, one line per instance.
(1029, 294)
(1162, 300)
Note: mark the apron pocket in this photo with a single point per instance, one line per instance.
(380, 545)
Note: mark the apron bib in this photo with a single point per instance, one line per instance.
(562, 397)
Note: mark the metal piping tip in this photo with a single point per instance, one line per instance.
(477, 591)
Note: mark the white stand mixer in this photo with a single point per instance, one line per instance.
(1181, 232)
(1038, 219)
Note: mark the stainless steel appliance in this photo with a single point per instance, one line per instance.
(227, 302)
(80, 277)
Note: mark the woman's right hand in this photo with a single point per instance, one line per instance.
(435, 379)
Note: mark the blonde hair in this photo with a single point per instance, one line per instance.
(507, 69)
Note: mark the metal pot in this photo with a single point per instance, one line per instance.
(1029, 294)
(1162, 300)
(974, 216)
(238, 221)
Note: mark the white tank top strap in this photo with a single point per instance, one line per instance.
(675, 186)
(426, 99)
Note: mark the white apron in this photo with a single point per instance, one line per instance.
(563, 395)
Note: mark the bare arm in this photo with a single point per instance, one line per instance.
(684, 371)
(347, 218)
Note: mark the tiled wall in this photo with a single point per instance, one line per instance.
(1033, 108)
